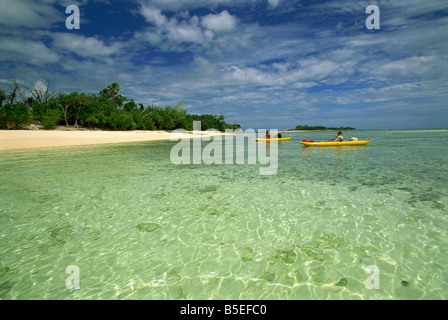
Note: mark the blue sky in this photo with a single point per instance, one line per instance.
(261, 63)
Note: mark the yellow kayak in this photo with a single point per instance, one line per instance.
(335, 143)
(273, 139)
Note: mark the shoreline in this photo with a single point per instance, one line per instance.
(68, 137)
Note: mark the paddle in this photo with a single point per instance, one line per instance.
(282, 131)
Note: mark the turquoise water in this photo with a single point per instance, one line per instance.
(139, 227)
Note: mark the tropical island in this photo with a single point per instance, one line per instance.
(322, 128)
(106, 110)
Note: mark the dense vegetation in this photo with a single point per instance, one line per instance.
(307, 127)
(107, 110)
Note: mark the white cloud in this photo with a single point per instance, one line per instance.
(153, 15)
(84, 46)
(185, 31)
(313, 69)
(247, 76)
(408, 67)
(274, 3)
(305, 85)
(30, 14)
(40, 85)
(220, 22)
(178, 5)
(183, 28)
(26, 51)
(174, 30)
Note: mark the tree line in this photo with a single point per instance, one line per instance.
(307, 127)
(107, 110)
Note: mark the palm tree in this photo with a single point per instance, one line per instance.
(111, 91)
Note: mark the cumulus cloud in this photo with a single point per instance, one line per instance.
(29, 14)
(153, 15)
(21, 50)
(183, 28)
(84, 46)
(220, 22)
(274, 3)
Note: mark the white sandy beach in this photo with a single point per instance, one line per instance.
(28, 139)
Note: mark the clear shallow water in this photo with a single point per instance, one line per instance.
(139, 227)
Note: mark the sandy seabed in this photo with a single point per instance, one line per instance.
(29, 139)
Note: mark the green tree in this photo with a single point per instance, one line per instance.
(51, 119)
(14, 116)
(131, 105)
(148, 123)
(155, 114)
(112, 92)
(221, 123)
(107, 110)
(72, 106)
(64, 103)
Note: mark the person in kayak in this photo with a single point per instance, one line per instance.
(268, 135)
(338, 138)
